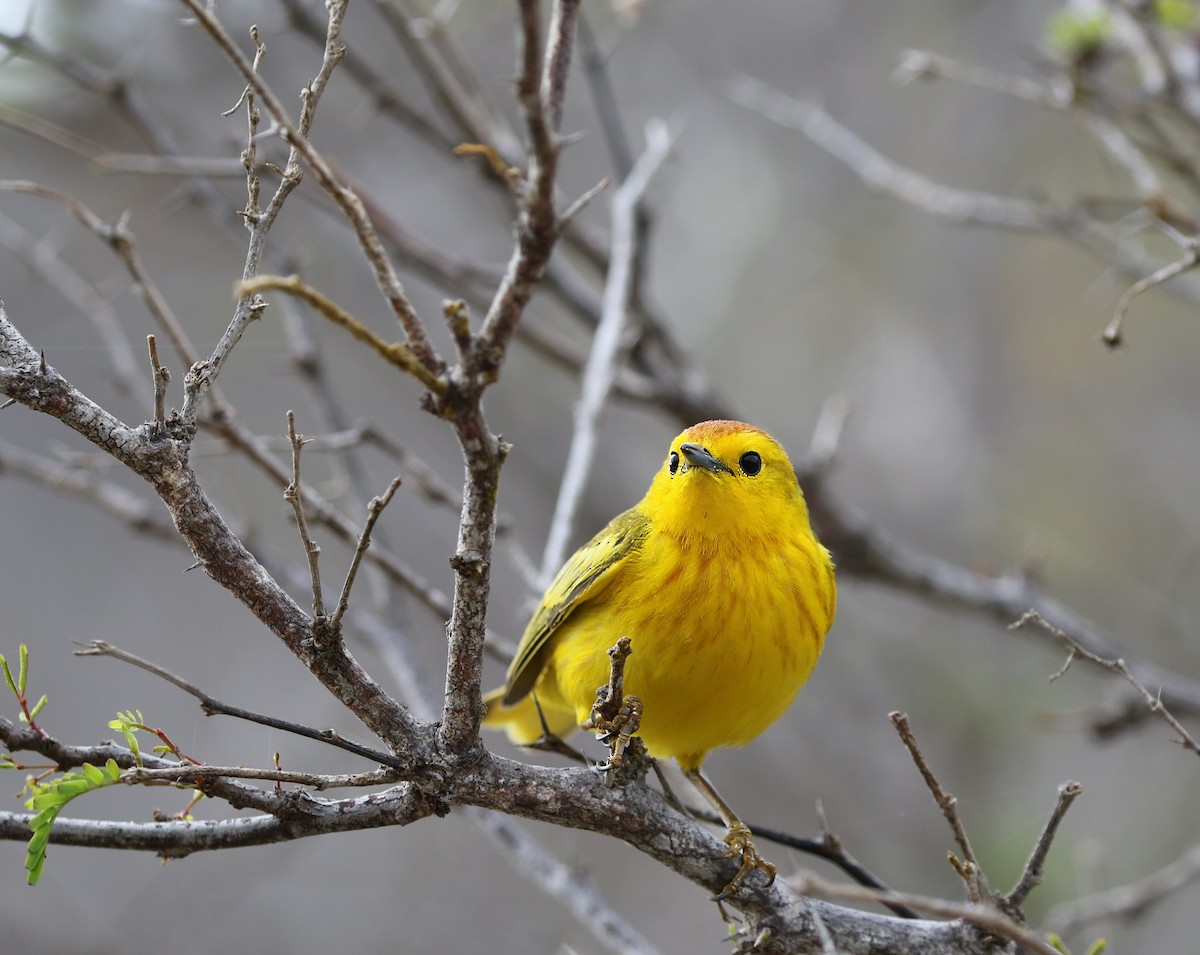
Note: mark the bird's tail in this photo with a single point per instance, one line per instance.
(526, 721)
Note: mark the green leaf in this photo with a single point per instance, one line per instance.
(35, 870)
(1078, 34)
(8, 676)
(37, 843)
(127, 725)
(43, 818)
(37, 707)
(1176, 14)
(24, 672)
(73, 785)
(48, 799)
(1100, 945)
(43, 799)
(1058, 944)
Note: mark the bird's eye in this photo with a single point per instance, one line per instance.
(750, 463)
(673, 462)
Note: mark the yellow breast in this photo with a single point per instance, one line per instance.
(724, 631)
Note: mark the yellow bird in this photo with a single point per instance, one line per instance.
(725, 594)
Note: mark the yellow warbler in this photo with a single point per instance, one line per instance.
(724, 591)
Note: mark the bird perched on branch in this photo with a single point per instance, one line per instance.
(724, 593)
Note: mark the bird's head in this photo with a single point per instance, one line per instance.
(725, 477)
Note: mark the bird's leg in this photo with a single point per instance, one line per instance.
(737, 837)
(615, 717)
(551, 742)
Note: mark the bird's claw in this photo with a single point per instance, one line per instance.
(740, 843)
(617, 733)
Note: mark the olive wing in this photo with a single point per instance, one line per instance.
(589, 572)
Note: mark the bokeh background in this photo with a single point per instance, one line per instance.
(988, 426)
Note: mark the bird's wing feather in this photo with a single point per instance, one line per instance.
(589, 571)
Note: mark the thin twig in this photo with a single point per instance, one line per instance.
(828, 846)
(84, 483)
(570, 884)
(293, 495)
(296, 136)
(322, 511)
(827, 434)
(1112, 335)
(48, 263)
(162, 376)
(966, 207)
(374, 509)
(1129, 901)
(561, 35)
(253, 210)
(398, 353)
(445, 70)
(538, 223)
(970, 871)
(121, 240)
(1118, 666)
(539, 87)
(600, 374)
(923, 64)
(960, 206)
(214, 707)
(1031, 876)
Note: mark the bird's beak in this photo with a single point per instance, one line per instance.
(698, 457)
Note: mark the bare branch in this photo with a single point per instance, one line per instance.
(345, 198)
(445, 70)
(162, 376)
(969, 868)
(1153, 701)
(1112, 336)
(320, 510)
(397, 353)
(960, 206)
(374, 509)
(539, 91)
(176, 839)
(923, 64)
(46, 262)
(26, 376)
(85, 484)
(214, 707)
(1129, 901)
(1031, 877)
(190, 775)
(983, 915)
(292, 495)
(568, 884)
(600, 375)
(866, 552)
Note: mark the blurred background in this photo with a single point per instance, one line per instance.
(987, 426)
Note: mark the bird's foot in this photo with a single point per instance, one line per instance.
(617, 732)
(741, 844)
